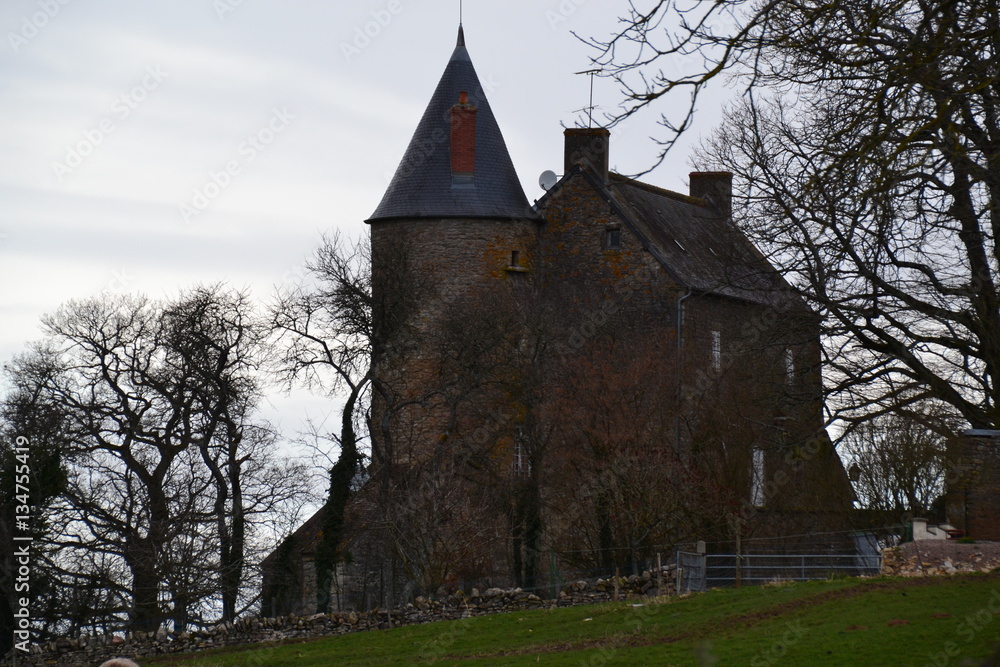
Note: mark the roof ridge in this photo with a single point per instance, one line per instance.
(688, 199)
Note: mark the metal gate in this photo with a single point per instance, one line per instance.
(691, 572)
(728, 569)
(699, 572)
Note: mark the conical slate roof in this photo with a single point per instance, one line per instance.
(422, 185)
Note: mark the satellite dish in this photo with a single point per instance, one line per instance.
(547, 179)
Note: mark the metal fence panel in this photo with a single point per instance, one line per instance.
(725, 569)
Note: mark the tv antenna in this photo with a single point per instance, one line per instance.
(590, 107)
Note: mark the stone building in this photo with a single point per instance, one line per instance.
(972, 499)
(527, 328)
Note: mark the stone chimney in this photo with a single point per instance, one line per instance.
(463, 142)
(590, 145)
(715, 187)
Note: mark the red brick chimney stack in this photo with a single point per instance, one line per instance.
(463, 140)
(715, 187)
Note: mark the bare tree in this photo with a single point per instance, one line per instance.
(332, 333)
(32, 475)
(324, 331)
(899, 465)
(496, 354)
(216, 342)
(865, 152)
(158, 422)
(627, 487)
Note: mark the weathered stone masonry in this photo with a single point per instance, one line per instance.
(973, 494)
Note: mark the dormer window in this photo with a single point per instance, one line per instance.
(612, 239)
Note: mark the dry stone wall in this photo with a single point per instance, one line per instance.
(91, 651)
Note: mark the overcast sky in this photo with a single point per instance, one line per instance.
(151, 146)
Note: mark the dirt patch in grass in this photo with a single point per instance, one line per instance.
(803, 603)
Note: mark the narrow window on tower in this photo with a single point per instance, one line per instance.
(516, 267)
(757, 478)
(716, 350)
(789, 366)
(612, 239)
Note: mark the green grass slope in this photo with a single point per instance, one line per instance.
(927, 621)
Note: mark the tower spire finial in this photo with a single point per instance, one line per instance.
(461, 31)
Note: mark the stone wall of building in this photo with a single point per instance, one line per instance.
(460, 256)
(582, 274)
(454, 267)
(752, 373)
(973, 496)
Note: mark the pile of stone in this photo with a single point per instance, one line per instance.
(940, 557)
(89, 651)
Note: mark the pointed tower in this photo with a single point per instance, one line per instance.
(453, 228)
(457, 164)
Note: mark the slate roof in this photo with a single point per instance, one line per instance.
(699, 246)
(696, 244)
(306, 538)
(422, 185)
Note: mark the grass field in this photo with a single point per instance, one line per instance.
(936, 621)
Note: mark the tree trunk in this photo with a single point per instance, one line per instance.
(141, 558)
(341, 476)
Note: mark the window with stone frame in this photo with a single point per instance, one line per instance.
(789, 366)
(716, 350)
(522, 465)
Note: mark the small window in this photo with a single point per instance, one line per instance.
(522, 466)
(613, 239)
(716, 350)
(757, 478)
(789, 366)
(516, 266)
